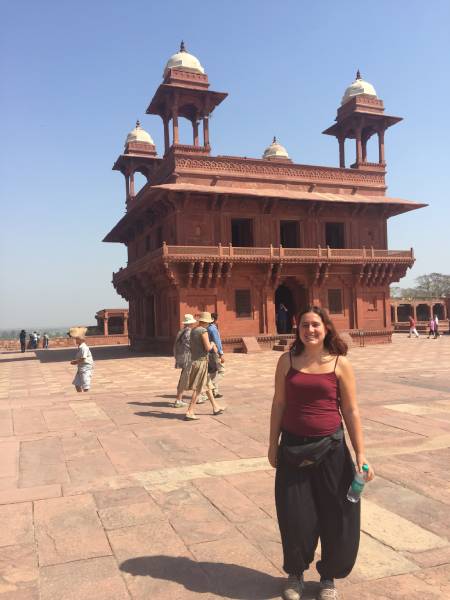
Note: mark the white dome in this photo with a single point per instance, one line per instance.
(275, 150)
(359, 86)
(184, 61)
(139, 135)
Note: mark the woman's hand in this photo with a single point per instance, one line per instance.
(73, 362)
(360, 461)
(272, 456)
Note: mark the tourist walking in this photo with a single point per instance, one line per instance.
(23, 340)
(45, 340)
(199, 379)
(314, 389)
(412, 327)
(216, 359)
(282, 319)
(182, 355)
(83, 360)
(431, 328)
(436, 326)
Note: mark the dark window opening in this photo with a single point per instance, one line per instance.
(289, 234)
(335, 305)
(242, 232)
(335, 235)
(243, 303)
(159, 237)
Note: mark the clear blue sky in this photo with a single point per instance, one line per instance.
(77, 75)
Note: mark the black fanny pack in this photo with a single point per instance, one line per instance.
(311, 453)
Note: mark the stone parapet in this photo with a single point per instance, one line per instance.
(66, 342)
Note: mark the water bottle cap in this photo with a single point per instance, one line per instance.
(365, 468)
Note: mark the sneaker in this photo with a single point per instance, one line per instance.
(218, 395)
(294, 588)
(179, 404)
(327, 590)
(201, 400)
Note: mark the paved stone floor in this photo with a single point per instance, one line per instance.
(111, 495)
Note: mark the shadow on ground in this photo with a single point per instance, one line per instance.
(223, 579)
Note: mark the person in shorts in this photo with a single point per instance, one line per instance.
(83, 360)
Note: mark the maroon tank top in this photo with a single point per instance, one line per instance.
(312, 403)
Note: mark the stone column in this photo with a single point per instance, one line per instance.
(125, 324)
(414, 310)
(395, 313)
(358, 146)
(364, 150)
(206, 131)
(175, 125)
(341, 141)
(195, 131)
(166, 134)
(105, 324)
(131, 185)
(381, 147)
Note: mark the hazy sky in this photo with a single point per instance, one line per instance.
(77, 75)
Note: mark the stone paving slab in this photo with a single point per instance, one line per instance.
(112, 495)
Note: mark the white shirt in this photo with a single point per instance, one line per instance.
(85, 354)
(436, 320)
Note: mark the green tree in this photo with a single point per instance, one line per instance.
(433, 285)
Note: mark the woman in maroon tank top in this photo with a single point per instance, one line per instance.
(314, 386)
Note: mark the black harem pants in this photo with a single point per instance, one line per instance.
(312, 503)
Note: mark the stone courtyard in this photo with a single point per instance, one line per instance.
(111, 495)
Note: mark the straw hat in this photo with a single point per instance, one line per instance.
(188, 319)
(77, 332)
(205, 317)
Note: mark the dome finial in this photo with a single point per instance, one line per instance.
(274, 139)
(182, 47)
(138, 124)
(358, 74)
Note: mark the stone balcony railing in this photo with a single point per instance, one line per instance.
(270, 254)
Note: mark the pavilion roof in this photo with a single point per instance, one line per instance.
(395, 205)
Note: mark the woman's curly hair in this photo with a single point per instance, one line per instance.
(332, 342)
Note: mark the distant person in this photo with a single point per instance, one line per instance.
(431, 328)
(412, 327)
(23, 340)
(436, 326)
(216, 358)
(83, 360)
(182, 355)
(34, 340)
(45, 340)
(38, 339)
(282, 319)
(199, 379)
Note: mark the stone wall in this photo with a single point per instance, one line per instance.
(66, 342)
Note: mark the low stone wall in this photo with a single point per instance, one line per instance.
(421, 326)
(66, 342)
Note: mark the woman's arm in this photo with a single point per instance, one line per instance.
(350, 412)
(207, 345)
(278, 406)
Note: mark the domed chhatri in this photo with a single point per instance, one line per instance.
(139, 135)
(184, 61)
(275, 151)
(358, 87)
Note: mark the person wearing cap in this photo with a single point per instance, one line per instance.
(199, 379)
(83, 360)
(182, 355)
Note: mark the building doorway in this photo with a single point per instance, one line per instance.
(289, 234)
(242, 232)
(335, 235)
(284, 309)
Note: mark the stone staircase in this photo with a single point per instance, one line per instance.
(283, 343)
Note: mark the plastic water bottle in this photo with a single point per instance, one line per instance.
(357, 485)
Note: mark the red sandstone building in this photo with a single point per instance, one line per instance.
(240, 235)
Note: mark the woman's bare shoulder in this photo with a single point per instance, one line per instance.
(344, 365)
(284, 362)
